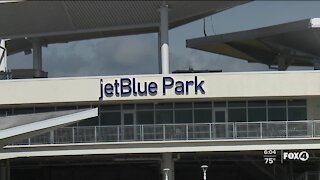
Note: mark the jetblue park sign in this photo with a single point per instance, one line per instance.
(125, 87)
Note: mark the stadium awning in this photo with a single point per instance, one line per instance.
(63, 21)
(19, 127)
(294, 43)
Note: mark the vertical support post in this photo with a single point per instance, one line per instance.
(164, 132)
(187, 132)
(3, 56)
(210, 130)
(95, 134)
(141, 132)
(52, 137)
(73, 134)
(261, 130)
(159, 53)
(118, 133)
(37, 56)
(287, 130)
(164, 38)
(167, 163)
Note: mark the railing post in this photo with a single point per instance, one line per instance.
(313, 128)
(141, 131)
(210, 130)
(95, 134)
(261, 130)
(73, 135)
(118, 133)
(164, 132)
(287, 133)
(234, 130)
(52, 137)
(187, 132)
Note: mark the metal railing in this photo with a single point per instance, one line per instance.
(170, 132)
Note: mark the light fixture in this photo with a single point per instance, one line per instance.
(204, 169)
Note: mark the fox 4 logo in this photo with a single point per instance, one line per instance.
(302, 156)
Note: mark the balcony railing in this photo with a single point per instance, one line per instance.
(183, 132)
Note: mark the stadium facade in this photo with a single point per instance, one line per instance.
(243, 125)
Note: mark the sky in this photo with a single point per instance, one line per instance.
(138, 54)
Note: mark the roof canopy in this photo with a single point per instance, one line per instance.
(297, 43)
(63, 21)
(19, 127)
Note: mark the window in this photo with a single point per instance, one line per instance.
(5, 112)
(23, 110)
(257, 111)
(237, 115)
(277, 110)
(183, 112)
(202, 116)
(44, 109)
(145, 117)
(89, 122)
(297, 110)
(237, 111)
(110, 118)
(183, 116)
(164, 117)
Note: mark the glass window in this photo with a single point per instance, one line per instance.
(237, 115)
(183, 116)
(277, 103)
(220, 104)
(89, 122)
(297, 113)
(63, 108)
(23, 110)
(297, 102)
(5, 112)
(164, 117)
(277, 114)
(110, 118)
(84, 106)
(144, 106)
(145, 117)
(44, 109)
(236, 104)
(202, 105)
(202, 116)
(164, 106)
(110, 107)
(128, 106)
(182, 105)
(256, 103)
(257, 114)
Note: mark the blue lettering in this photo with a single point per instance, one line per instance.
(153, 88)
(108, 90)
(125, 85)
(198, 86)
(167, 85)
(179, 88)
(101, 90)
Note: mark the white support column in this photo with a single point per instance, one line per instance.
(37, 56)
(164, 36)
(159, 53)
(3, 56)
(167, 163)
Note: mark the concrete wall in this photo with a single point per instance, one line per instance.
(216, 85)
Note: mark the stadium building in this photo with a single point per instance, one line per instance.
(242, 125)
